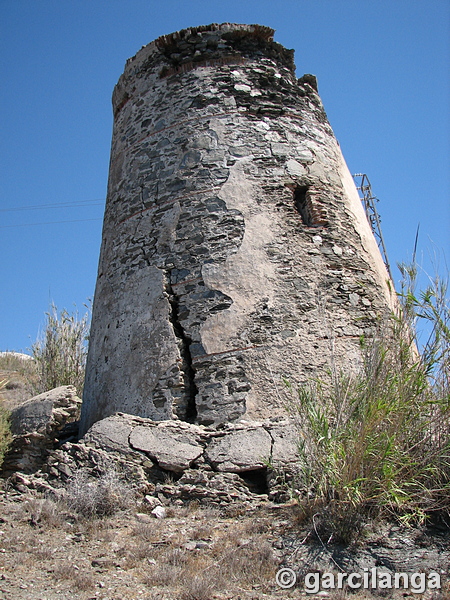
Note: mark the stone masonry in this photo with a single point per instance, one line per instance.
(235, 250)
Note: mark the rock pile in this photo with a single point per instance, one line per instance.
(172, 460)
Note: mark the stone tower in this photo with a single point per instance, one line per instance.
(235, 249)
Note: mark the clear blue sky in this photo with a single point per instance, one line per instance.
(383, 72)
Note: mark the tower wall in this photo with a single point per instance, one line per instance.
(235, 249)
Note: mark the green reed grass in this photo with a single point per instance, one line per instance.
(5, 431)
(380, 439)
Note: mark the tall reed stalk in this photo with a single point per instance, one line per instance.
(60, 353)
(5, 431)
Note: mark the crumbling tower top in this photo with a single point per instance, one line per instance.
(204, 46)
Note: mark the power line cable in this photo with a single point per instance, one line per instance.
(77, 203)
(49, 223)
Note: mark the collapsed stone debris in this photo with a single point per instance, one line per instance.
(173, 459)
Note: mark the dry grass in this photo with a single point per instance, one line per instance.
(79, 579)
(98, 496)
(20, 375)
(198, 588)
(199, 557)
(149, 532)
(45, 512)
(202, 532)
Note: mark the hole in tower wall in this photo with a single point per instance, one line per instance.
(256, 481)
(310, 205)
(302, 203)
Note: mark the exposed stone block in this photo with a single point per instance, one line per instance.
(240, 451)
(171, 448)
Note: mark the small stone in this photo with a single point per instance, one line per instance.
(190, 159)
(353, 299)
(99, 562)
(230, 102)
(190, 545)
(242, 87)
(159, 512)
(240, 151)
(294, 168)
(305, 156)
(279, 149)
(152, 501)
(19, 478)
(64, 469)
(337, 250)
(143, 517)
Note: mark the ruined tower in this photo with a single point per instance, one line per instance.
(235, 249)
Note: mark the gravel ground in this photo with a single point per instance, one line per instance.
(48, 552)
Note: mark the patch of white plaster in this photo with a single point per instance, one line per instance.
(246, 276)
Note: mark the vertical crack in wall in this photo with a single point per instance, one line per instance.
(187, 411)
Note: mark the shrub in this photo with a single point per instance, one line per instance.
(98, 496)
(381, 439)
(60, 353)
(5, 431)
(198, 587)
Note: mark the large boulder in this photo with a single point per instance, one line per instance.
(240, 451)
(177, 446)
(173, 445)
(111, 434)
(46, 413)
(285, 447)
(210, 464)
(40, 424)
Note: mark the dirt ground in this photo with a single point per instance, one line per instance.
(48, 552)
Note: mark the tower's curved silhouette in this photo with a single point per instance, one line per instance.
(235, 250)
